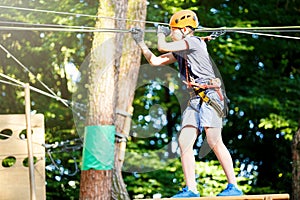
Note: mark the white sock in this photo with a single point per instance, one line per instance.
(193, 189)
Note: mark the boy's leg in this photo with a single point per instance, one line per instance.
(186, 139)
(214, 139)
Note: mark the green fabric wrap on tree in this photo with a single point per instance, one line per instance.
(99, 146)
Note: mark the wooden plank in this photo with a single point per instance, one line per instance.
(244, 197)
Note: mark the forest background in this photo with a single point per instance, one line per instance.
(261, 76)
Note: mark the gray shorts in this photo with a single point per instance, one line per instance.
(202, 116)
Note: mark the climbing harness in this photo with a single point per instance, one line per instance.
(201, 91)
(214, 84)
(212, 103)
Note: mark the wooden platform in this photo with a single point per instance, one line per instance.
(244, 197)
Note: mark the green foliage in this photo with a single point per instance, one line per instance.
(262, 80)
(168, 180)
(212, 180)
(261, 76)
(46, 54)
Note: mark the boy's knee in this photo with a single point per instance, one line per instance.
(187, 136)
(213, 137)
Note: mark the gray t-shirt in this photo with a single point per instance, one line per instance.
(197, 59)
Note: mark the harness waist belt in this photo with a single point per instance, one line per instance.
(210, 102)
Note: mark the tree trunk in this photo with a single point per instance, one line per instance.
(97, 184)
(129, 69)
(296, 166)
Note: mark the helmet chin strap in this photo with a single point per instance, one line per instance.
(184, 35)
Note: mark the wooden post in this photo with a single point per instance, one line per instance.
(243, 197)
(29, 142)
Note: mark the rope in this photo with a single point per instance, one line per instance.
(78, 14)
(9, 83)
(65, 28)
(270, 35)
(45, 25)
(27, 70)
(21, 84)
(200, 29)
(11, 28)
(60, 27)
(47, 11)
(239, 30)
(260, 29)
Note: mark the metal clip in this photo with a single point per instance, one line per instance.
(216, 34)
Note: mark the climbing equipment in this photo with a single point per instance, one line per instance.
(202, 93)
(213, 35)
(183, 19)
(201, 90)
(216, 34)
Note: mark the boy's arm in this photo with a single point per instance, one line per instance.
(162, 33)
(164, 46)
(153, 60)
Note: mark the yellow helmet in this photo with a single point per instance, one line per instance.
(184, 18)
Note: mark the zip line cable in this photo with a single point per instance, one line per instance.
(77, 14)
(61, 27)
(57, 27)
(200, 29)
(203, 29)
(270, 35)
(9, 83)
(27, 70)
(260, 29)
(15, 28)
(48, 11)
(18, 83)
(238, 30)
(44, 25)
(66, 28)
(21, 84)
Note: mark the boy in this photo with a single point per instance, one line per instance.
(206, 112)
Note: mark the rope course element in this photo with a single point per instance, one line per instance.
(260, 29)
(56, 148)
(44, 25)
(15, 28)
(70, 104)
(84, 30)
(27, 70)
(271, 35)
(21, 84)
(64, 146)
(73, 145)
(65, 28)
(77, 14)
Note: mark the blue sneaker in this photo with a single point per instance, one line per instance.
(231, 190)
(185, 192)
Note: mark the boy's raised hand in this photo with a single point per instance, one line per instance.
(163, 29)
(137, 34)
